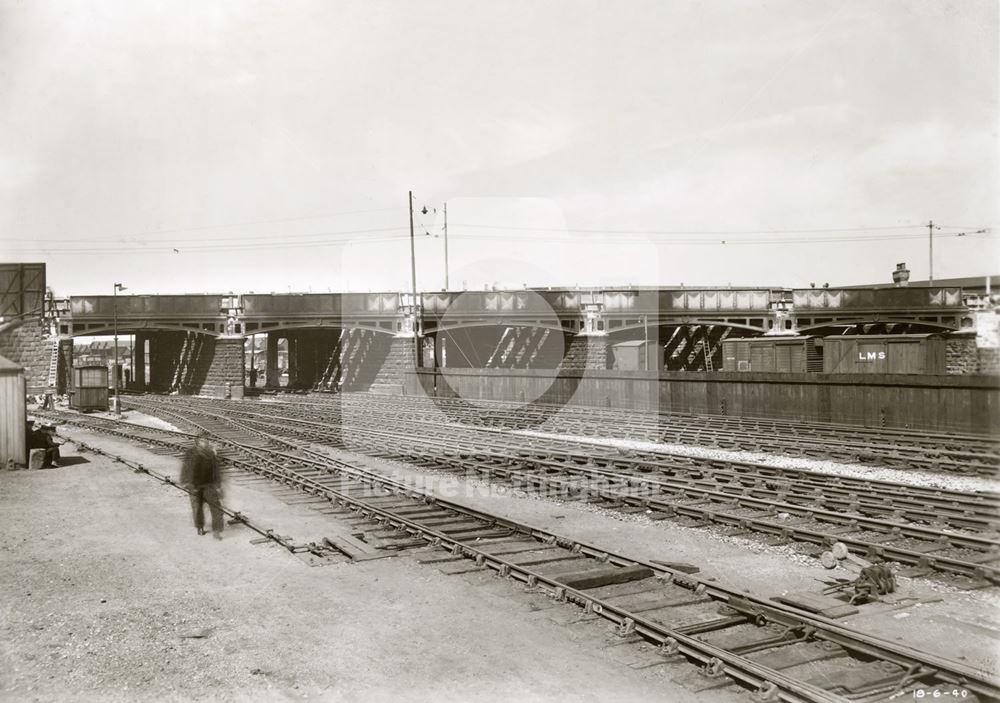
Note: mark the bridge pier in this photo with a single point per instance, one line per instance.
(190, 363)
(272, 374)
(164, 359)
(292, 347)
(224, 368)
(139, 363)
(586, 351)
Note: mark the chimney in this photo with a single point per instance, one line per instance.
(901, 276)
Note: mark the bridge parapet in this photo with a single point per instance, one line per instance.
(934, 308)
(95, 314)
(877, 298)
(501, 302)
(262, 312)
(101, 306)
(625, 301)
(264, 305)
(725, 300)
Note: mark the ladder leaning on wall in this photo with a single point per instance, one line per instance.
(53, 375)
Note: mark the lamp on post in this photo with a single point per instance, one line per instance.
(114, 373)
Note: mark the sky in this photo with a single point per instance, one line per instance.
(270, 146)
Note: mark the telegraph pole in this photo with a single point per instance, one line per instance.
(446, 246)
(930, 253)
(645, 346)
(114, 312)
(413, 278)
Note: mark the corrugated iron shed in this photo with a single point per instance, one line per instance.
(13, 414)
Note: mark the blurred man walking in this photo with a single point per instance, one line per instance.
(201, 476)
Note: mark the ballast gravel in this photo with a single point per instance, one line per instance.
(922, 479)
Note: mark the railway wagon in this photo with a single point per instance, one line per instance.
(90, 388)
(778, 354)
(895, 353)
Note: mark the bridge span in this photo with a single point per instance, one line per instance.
(345, 340)
(579, 311)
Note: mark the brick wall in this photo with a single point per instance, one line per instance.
(28, 346)
(960, 355)
(219, 368)
(213, 366)
(586, 352)
(394, 359)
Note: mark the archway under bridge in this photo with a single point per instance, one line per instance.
(185, 358)
(485, 345)
(324, 357)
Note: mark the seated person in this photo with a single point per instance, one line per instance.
(44, 438)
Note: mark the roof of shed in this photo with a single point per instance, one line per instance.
(8, 365)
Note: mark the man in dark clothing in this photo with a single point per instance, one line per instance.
(42, 438)
(201, 476)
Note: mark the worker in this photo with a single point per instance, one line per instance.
(202, 478)
(43, 437)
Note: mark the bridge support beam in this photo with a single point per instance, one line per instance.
(271, 372)
(139, 364)
(292, 347)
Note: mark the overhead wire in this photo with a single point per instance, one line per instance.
(518, 234)
(683, 231)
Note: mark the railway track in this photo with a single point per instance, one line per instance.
(780, 652)
(929, 530)
(907, 449)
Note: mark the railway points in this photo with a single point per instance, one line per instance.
(895, 521)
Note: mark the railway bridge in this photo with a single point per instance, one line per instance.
(336, 340)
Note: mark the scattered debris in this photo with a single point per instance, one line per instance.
(873, 580)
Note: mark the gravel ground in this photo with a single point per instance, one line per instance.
(147, 420)
(874, 473)
(133, 416)
(110, 595)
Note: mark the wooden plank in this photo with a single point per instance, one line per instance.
(355, 548)
(678, 566)
(816, 603)
(595, 578)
